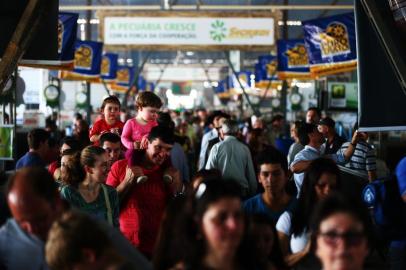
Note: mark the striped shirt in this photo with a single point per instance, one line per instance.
(363, 159)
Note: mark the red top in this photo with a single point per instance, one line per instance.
(142, 209)
(101, 126)
(52, 167)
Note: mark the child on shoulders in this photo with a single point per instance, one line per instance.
(110, 121)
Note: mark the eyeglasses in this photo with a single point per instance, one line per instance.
(351, 238)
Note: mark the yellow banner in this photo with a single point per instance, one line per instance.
(330, 69)
(72, 76)
(294, 75)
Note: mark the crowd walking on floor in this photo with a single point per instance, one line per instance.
(201, 190)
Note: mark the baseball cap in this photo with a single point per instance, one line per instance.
(328, 122)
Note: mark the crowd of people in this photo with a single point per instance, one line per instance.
(195, 190)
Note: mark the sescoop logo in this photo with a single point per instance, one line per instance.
(218, 32)
(335, 40)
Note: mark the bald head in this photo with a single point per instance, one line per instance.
(33, 200)
(34, 180)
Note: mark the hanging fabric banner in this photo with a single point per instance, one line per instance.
(150, 87)
(87, 63)
(265, 69)
(331, 44)
(142, 84)
(293, 61)
(125, 75)
(67, 29)
(108, 70)
(222, 89)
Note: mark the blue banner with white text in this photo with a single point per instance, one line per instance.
(331, 44)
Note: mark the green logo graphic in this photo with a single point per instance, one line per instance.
(219, 31)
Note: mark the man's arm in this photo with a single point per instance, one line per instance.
(130, 179)
(300, 166)
(211, 161)
(95, 138)
(252, 179)
(351, 147)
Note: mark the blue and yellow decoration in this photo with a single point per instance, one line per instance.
(67, 29)
(331, 44)
(142, 84)
(222, 89)
(265, 69)
(293, 60)
(87, 62)
(150, 87)
(108, 69)
(125, 75)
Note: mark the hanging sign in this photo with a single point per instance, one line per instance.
(150, 86)
(331, 44)
(87, 62)
(189, 30)
(142, 84)
(265, 69)
(108, 69)
(125, 75)
(67, 29)
(293, 60)
(222, 89)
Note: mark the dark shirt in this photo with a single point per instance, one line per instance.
(212, 142)
(30, 159)
(335, 145)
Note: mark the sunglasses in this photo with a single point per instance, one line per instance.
(351, 238)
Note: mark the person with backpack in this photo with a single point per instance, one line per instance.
(397, 251)
(387, 200)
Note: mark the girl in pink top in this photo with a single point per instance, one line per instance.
(136, 130)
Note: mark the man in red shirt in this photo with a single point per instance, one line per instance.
(142, 205)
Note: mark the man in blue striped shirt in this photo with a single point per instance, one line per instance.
(364, 158)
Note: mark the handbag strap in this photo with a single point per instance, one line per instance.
(108, 205)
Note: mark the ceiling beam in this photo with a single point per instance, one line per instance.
(208, 7)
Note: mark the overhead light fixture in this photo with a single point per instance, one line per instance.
(209, 61)
(290, 23)
(190, 53)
